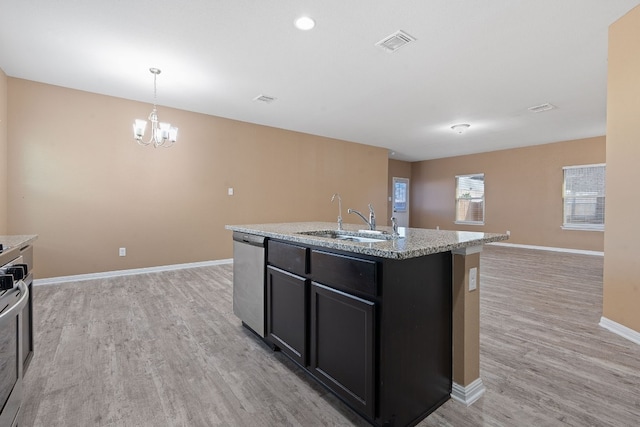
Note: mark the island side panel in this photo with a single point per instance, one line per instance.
(416, 331)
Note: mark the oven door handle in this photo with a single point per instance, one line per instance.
(17, 307)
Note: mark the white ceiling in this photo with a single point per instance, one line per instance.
(482, 62)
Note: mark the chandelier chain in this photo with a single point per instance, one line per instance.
(155, 88)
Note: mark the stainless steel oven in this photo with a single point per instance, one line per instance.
(14, 296)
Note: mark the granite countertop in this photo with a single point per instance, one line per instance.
(414, 242)
(17, 241)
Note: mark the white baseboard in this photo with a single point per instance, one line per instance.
(469, 394)
(548, 248)
(117, 273)
(621, 330)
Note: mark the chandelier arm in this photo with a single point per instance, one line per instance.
(164, 145)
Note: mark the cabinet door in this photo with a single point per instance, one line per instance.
(342, 345)
(287, 313)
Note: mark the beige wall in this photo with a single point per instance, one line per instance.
(523, 192)
(397, 169)
(79, 181)
(3, 152)
(621, 295)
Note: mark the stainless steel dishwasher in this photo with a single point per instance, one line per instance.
(248, 280)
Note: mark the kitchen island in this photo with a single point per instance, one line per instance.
(384, 322)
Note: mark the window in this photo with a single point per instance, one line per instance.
(470, 199)
(583, 197)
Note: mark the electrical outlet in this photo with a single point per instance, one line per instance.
(230, 191)
(508, 233)
(437, 227)
(473, 279)
(122, 252)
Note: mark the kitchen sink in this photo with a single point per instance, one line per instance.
(349, 236)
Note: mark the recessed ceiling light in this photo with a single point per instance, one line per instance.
(304, 23)
(460, 128)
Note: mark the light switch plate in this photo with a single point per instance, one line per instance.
(230, 191)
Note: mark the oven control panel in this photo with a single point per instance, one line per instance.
(12, 272)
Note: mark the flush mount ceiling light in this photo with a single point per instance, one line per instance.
(541, 108)
(162, 134)
(265, 98)
(304, 23)
(460, 128)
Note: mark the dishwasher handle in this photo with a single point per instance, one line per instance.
(250, 239)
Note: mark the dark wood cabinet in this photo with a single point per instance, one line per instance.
(287, 313)
(345, 272)
(292, 258)
(375, 331)
(342, 345)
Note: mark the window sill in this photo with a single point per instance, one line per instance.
(581, 228)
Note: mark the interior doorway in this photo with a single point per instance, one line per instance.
(400, 201)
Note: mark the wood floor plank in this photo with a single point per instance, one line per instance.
(164, 349)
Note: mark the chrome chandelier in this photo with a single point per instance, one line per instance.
(162, 134)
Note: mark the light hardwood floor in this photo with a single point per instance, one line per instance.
(164, 349)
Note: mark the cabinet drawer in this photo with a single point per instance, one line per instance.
(288, 257)
(344, 272)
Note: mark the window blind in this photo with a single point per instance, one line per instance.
(470, 199)
(584, 197)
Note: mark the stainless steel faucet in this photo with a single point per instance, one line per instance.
(372, 217)
(336, 195)
(394, 226)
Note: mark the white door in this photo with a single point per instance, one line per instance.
(400, 201)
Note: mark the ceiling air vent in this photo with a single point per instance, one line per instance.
(264, 98)
(395, 41)
(540, 108)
